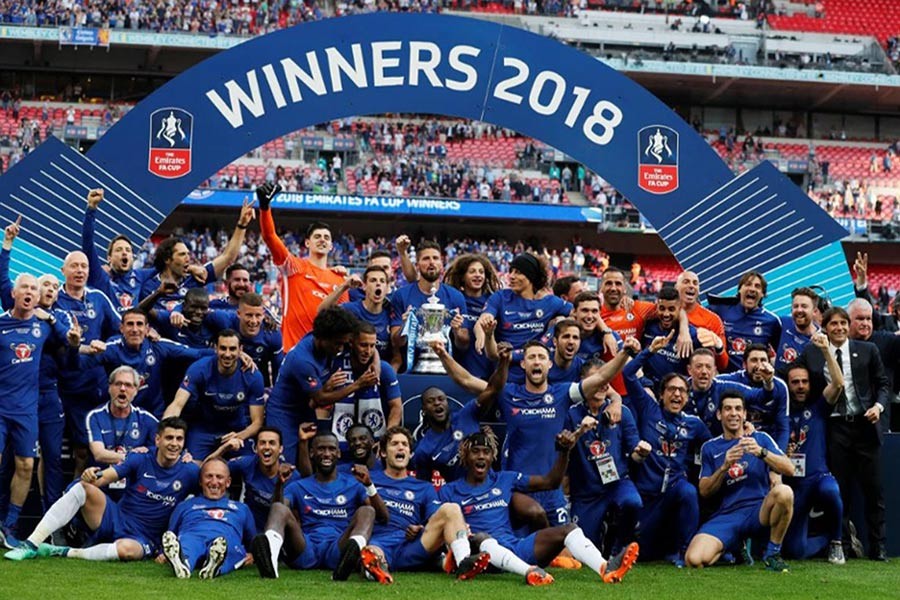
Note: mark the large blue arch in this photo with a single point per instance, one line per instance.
(715, 223)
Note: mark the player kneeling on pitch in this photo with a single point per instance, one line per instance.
(131, 528)
(738, 465)
(325, 520)
(210, 525)
(485, 495)
(419, 524)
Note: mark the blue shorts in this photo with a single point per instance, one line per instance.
(522, 547)
(589, 514)
(116, 525)
(554, 504)
(195, 546)
(733, 526)
(402, 555)
(320, 553)
(21, 431)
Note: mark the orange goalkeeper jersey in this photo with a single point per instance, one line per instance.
(303, 285)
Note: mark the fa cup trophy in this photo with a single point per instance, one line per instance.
(432, 316)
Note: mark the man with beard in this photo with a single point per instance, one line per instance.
(812, 483)
(123, 283)
(306, 380)
(147, 357)
(598, 473)
(706, 389)
(25, 329)
(360, 449)
(229, 401)
(187, 322)
(412, 296)
(263, 474)
(567, 363)
(306, 281)
(375, 402)
(486, 496)
(326, 519)
(620, 313)
(210, 525)
(538, 407)
(797, 329)
(665, 324)
(237, 282)
(442, 430)
(770, 416)
(419, 524)
(706, 321)
(131, 528)
(172, 263)
(671, 508)
(746, 321)
(739, 465)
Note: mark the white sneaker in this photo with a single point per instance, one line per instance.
(836, 553)
(218, 550)
(172, 551)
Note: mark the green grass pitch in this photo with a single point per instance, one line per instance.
(51, 579)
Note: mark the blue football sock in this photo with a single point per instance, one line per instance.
(12, 516)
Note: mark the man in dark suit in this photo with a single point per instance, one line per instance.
(888, 344)
(854, 434)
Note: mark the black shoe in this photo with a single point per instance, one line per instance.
(262, 557)
(879, 554)
(349, 562)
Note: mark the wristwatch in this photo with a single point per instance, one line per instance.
(763, 453)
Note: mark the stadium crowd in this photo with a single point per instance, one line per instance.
(716, 428)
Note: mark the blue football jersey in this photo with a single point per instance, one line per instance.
(532, 422)
(325, 509)
(224, 401)
(439, 451)
(258, 488)
(520, 320)
(747, 481)
(486, 506)
(153, 491)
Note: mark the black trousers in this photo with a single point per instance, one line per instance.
(854, 455)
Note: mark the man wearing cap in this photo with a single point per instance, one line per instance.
(516, 314)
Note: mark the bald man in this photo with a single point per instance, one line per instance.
(81, 390)
(706, 321)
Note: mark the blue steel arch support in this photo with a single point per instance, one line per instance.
(312, 73)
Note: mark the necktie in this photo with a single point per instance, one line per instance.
(843, 408)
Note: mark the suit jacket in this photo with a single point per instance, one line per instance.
(869, 379)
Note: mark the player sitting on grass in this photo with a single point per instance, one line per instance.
(131, 528)
(324, 521)
(485, 495)
(419, 524)
(210, 525)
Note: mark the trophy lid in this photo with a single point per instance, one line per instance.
(433, 301)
